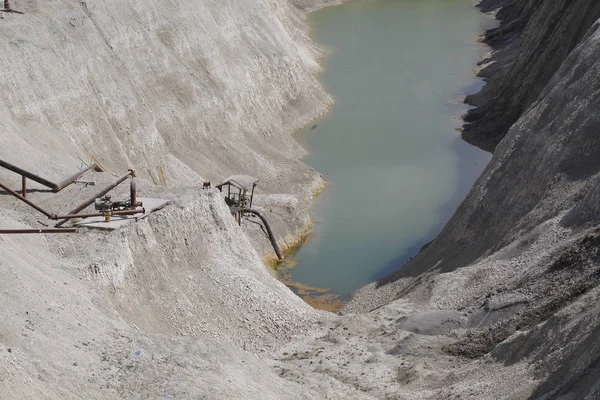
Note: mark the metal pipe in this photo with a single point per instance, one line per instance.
(48, 230)
(74, 177)
(29, 203)
(71, 214)
(269, 230)
(45, 182)
(28, 174)
(252, 195)
(24, 186)
(133, 194)
(101, 193)
(119, 212)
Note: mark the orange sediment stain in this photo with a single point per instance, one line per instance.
(318, 298)
(328, 302)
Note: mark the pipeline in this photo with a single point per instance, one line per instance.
(49, 230)
(133, 194)
(70, 215)
(269, 230)
(101, 193)
(74, 177)
(74, 213)
(55, 187)
(115, 213)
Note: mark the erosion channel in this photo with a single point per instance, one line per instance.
(389, 150)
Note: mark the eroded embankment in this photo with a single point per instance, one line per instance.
(173, 305)
(194, 91)
(531, 43)
(184, 92)
(540, 170)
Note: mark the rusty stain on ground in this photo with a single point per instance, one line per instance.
(318, 298)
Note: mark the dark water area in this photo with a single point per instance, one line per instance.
(389, 148)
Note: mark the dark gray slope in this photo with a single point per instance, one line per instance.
(533, 40)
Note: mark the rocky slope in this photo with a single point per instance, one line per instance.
(179, 304)
(187, 92)
(173, 306)
(195, 89)
(531, 43)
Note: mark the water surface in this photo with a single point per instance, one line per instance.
(389, 150)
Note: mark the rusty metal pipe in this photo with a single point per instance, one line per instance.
(48, 230)
(45, 182)
(133, 194)
(74, 177)
(27, 174)
(101, 193)
(121, 212)
(29, 203)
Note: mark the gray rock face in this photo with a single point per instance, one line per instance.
(503, 304)
(532, 42)
(193, 90)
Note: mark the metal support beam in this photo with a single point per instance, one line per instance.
(29, 203)
(113, 213)
(56, 187)
(27, 174)
(133, 194)
(74, 177)
(47, 230)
